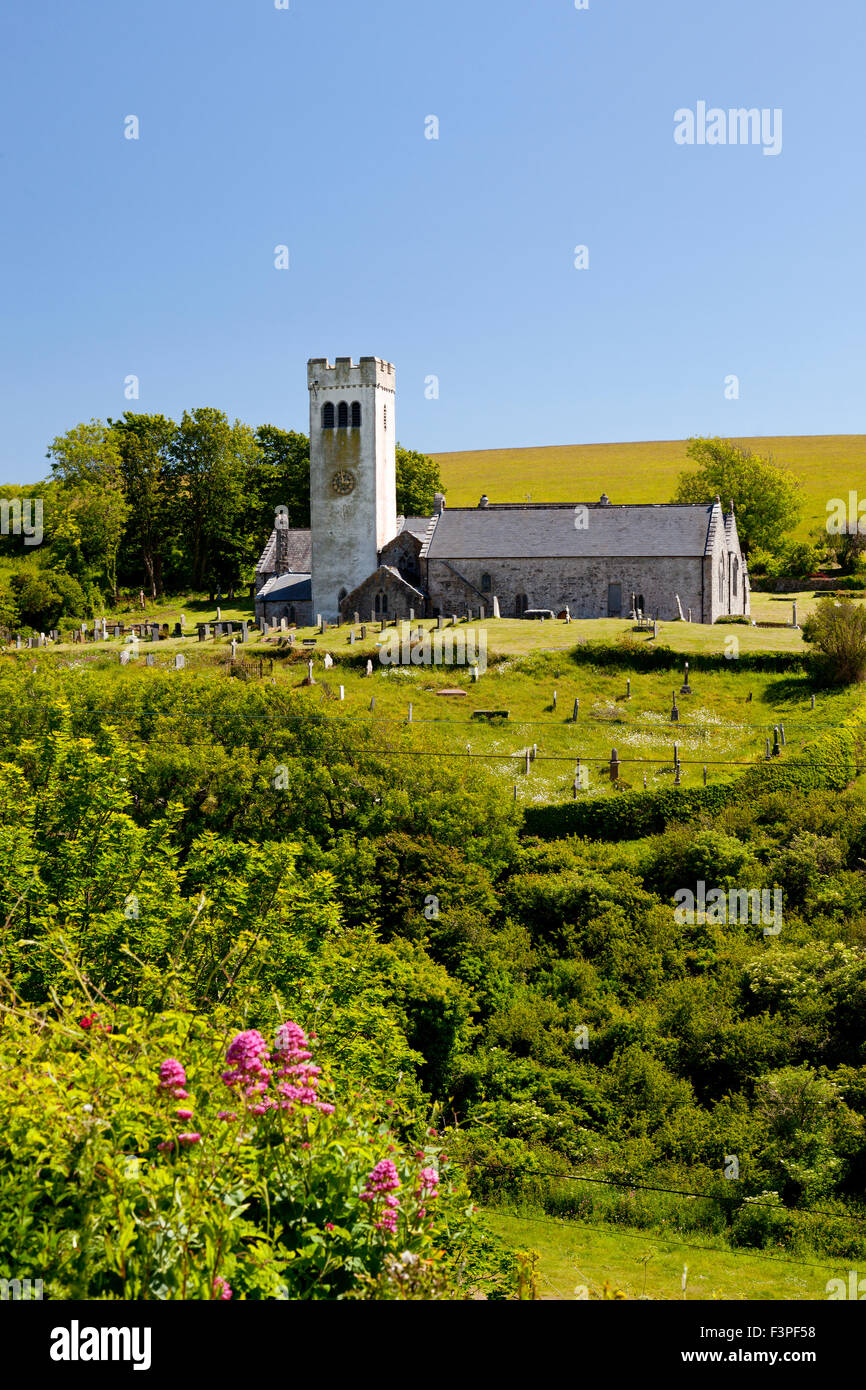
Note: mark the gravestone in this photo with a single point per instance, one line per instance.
(234, 649)
(149, 659)
(178, 630)
(439, 623)
(356, 619)
(496, 612)
(244, 631)
(411, 615)
(364, 633)
(310, 677)
(179, 661)
(284, 624)
(328, 662)
(124, 658)
(369, 667)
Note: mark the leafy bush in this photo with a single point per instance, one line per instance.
(140, 1159)
(837, 628)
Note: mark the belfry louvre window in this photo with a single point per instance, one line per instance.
(328, 415)
(356, 415)
(342, 416)
(486, 583)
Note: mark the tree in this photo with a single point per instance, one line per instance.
(280, 478)
(418, 480)
(211, 462)
(92, 500)
(838, 629)
(765, 495)
(144, 443)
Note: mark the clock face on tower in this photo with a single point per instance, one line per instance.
(343, 482)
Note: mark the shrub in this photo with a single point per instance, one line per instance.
(140, 1159)
(837, 629)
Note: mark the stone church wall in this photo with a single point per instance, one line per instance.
(580, 583)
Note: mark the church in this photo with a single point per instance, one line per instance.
(595, 559)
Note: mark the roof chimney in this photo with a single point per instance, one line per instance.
(438, 503)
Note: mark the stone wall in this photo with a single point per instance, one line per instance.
(579, 583)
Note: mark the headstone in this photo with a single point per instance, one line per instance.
(628, 689)
(18, 645)
(575, 711)
(567, 614)
(219, 615)
(813, 701)
(245, 632)
(356, 619)
(679, 608)
(117, 630)
(178, 630)
(690, 615)
(182, 621)
(234, 649)
(677, 776)
(364, 633)
(440, 623)
(124, 658)
(369, 668)
(351, 639)
(342, 692)
(554, 701)
(372, 702)
(686, 689)
(794, 614)
(496, 612)
(411, 615)
(149, 659)
(179, 661)
(409, 720)
(328, 661)
(310, 677)
(614, 765)
(284, 624)
(655, 628)
(675, 714)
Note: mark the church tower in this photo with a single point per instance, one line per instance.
(353, 474)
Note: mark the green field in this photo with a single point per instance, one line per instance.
(575, 1257)
(827, 465)
(532, 673)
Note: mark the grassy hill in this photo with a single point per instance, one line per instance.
(827, 464)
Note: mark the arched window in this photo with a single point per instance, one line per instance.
(640, 604)
(522, 604)
(356, 415)
(734, 574)
(721, 577)
(377, 607)
(486, 583)
(328, 415)
(384, 604)
(342, 416)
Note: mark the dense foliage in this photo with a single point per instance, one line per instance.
(147, 502)
(540, 997)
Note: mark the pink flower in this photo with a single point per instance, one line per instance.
(222, 1288)
(189, 1138)
(87, 1021)
(166, 1144)
(227, 1115)
(428, 1182)
(183, 1114)
(246, 1058)
(329, 1226)
(384, 1178)
(172, 1078)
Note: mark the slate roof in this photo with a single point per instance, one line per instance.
(518, 531)
(416, 524)
(300, 553)
(286, 588)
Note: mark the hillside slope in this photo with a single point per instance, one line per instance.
(828, 466)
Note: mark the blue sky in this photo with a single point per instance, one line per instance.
(453, 257)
